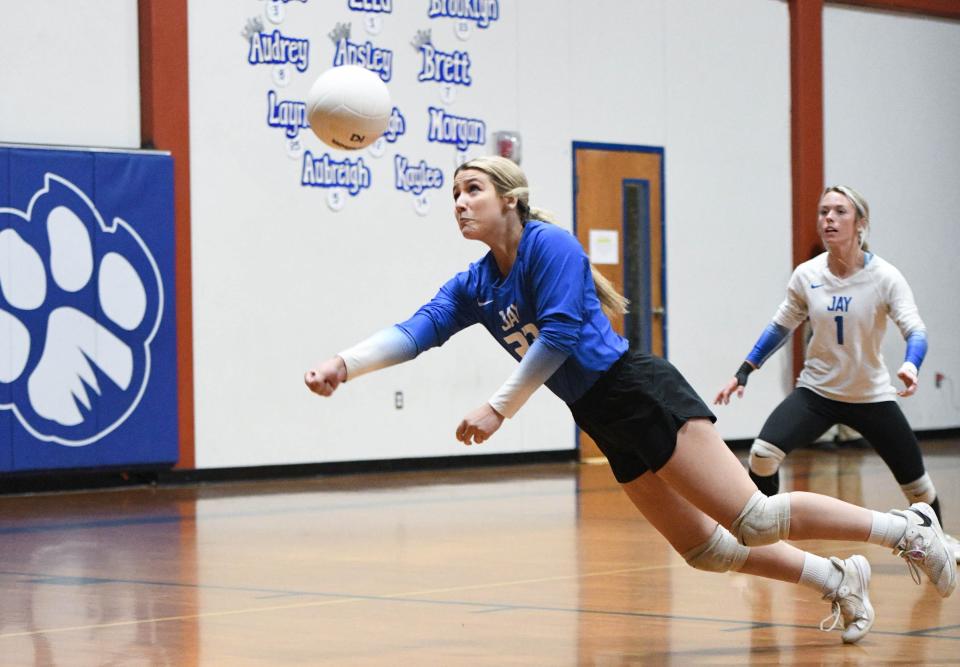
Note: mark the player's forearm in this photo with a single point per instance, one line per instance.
(771, 340)
(916, 349)
(536, 367)
(385, 348)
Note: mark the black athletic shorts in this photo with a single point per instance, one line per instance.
(803, 416)
(634, 412)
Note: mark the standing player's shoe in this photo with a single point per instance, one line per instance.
(924, 547)
(954, 545)
(851, 599)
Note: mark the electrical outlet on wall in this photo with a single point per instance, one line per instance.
(398, 400)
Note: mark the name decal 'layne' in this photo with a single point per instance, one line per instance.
(291, 115)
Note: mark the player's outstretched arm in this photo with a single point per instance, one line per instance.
(325, 377)
(385, 348)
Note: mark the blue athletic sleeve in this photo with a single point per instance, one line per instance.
(916, 348)
(446, 314)
(771, 340)
(558, 271)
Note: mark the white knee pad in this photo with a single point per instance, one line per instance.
(763, 520)
(720, 553)
(765, 459)
(920, 490)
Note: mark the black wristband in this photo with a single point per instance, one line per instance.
(745, 369)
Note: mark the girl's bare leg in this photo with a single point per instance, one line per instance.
(706, 545)
(686, 527)
(704, 471)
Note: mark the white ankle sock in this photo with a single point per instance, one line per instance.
(819, 574)
(887, 529)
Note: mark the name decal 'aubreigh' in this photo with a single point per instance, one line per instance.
(325, 172)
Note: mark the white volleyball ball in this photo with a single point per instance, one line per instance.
(348, 107)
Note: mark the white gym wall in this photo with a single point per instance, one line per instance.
(892, 100)
(70, 73)
(280, 281)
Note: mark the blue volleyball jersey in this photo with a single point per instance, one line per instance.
(548, 295)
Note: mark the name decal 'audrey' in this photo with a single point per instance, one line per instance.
(275, 48)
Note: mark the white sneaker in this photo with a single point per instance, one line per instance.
(954, 545)
(924, 546)
(851, 600)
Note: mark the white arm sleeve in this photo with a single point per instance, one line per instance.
(388, 347)
(793, 311)
(903, 307)
(536, 367)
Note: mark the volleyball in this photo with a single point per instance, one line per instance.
(348, 107)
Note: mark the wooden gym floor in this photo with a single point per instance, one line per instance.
(527, 565)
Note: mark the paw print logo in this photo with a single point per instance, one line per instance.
(80, 302)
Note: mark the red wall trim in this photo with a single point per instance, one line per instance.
(165, 125)
(806, 132)
(949, 9)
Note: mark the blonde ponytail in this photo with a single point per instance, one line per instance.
(614, 304)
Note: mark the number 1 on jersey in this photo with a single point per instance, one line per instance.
(839, 320)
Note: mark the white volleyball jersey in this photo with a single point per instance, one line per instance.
(848, 317)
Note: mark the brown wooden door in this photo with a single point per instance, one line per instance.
(619, 191)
